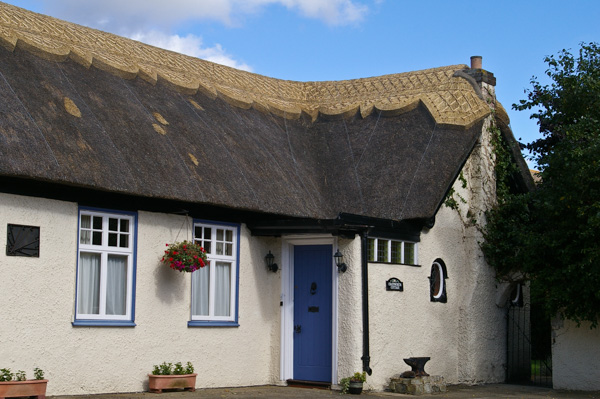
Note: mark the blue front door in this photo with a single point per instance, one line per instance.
(312, 312)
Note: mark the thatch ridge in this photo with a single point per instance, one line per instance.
(449, 99)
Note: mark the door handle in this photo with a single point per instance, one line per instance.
(298, 328)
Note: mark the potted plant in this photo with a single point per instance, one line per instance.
(353, 384)
(17, 384)
(185, 256)
(169, 376)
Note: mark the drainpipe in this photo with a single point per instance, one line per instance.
(366, 358)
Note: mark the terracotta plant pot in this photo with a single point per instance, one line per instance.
(156, 383)
(355, 387)
(13, 389)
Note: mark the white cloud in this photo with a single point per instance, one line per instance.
(155, 21)
(190, 45)
(332, 12)
(126, 16)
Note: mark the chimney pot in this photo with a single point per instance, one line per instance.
(476, 62)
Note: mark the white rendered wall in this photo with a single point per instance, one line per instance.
(350, 329)
(37, 296)
(575, 356)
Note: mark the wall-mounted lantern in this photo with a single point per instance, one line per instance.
(339, 262)
(270, 258)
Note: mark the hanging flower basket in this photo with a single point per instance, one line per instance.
(185, 256)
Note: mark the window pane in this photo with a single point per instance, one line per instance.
(97, 238)
(207, 231)
(222, 288)
(207, 247)
(229, 249)
(396, 251)
(86, 221)
(124, 241)
(85, 234)
(382, 250)
(219, 248)
(198, 232)
(229, 236)
(112, 239)
(220, 234)
(113, 224)
(409, 253)
(97, 222)
(125, 225)
(89, 284)
(84, 237)
(116, 285)
(200, 291)
(371, 249)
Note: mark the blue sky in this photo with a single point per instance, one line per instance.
(307, 40)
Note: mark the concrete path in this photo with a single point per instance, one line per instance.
(492, 391)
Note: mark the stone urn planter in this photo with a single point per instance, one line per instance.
(156, 383)
(14, 389)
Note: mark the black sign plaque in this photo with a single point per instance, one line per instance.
(394, 284)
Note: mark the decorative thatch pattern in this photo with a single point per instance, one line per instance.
(450, 100)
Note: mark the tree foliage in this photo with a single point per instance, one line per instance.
(552, 234)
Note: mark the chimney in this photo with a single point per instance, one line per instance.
(480, 75)
(476, 62)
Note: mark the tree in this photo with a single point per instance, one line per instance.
(552, 234)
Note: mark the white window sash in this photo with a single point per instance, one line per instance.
(104, 250)
(388, 250)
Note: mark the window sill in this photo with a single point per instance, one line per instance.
(103, 323)
(203, 323)
(391, 263)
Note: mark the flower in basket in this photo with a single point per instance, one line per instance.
(185, 256)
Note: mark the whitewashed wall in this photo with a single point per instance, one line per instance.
(575, 356)
(37, 304)
(350, 345)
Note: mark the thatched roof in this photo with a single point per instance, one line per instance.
(86, 108)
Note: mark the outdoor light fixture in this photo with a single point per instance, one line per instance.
(270, 265)
(339, 262)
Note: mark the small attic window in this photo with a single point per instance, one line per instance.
(23, 241)
(392, 251)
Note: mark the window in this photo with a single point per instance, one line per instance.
(392, 251)
(105, 268)
(214, 287)
(437, 282)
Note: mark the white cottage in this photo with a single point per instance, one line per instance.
(110, 149)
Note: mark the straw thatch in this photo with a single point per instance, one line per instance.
(84, 108)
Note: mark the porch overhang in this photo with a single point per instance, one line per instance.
(345, 225)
